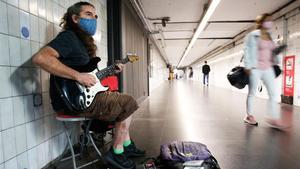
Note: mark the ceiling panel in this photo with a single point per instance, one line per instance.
(185, 26)
(201, 48)
(178, 10)
(174, 50)
(244, 9)
(171, 35)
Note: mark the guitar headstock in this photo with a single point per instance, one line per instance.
(132, 57)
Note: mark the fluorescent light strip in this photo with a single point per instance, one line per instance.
(200, 28)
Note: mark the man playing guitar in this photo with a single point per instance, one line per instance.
(75, 46)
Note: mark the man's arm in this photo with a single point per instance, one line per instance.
(47, 58)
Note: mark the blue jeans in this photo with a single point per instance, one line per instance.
(205, 78)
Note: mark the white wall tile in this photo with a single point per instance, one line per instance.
(6, 112)
(40, 135)
(9, 143)
(14, 21)
(32, 159)
(14, 51)
(55, 147)
(62, 141)
(24, 4)
(47, 128)
(56, 16)
(22, 161)
(26, 52)
(41, 158)
(42, 8)
(11, 164)
(33, 7)
(34, 47)
(5, 84)
(47, 108)
(4, 50)
(57, 127)
(1, 149)
(28, 77)
(45, 80)
(36, 80)
(38, 110)
(49, 10)
(47, 147)
(3, 18)
(16, 81)
(2, 166)
(28, 108)
(34, 28)
(18, 109)
(43, 30)
(13, 2)
(24, 24)
(31, 135)
(21, 141)
(50, 31)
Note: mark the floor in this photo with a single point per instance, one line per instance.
(186, 110)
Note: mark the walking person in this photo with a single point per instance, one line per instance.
(205, 71)
(259, 66)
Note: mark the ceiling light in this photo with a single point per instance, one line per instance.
(200, 28)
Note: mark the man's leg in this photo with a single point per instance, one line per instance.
(116, 155)
(207, 79)
(122, 133)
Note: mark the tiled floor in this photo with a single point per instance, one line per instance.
(186, 110)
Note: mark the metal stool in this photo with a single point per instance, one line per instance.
(70, 118)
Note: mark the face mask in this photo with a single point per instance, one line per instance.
(88, 25)
(267, 24)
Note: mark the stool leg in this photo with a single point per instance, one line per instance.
(85, 135)
(70, 145)
(91, 138)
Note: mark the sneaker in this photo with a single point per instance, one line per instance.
(276, 124)
(249, 119)
(119, 161)
(133, 151)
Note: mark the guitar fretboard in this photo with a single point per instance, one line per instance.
(109, 70)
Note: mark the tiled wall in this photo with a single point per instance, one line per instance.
(223, 63)
(293, 43)
(30, 137)
(158, 70)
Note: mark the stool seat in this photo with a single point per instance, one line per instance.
(64, 117)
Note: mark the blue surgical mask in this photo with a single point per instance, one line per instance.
(88, 25)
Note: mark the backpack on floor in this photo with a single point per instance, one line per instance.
(181, 154)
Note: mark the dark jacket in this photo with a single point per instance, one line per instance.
(205, 69)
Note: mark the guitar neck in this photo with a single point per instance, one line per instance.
(109, 70)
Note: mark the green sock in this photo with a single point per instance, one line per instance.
(118, 151)
(126, 143)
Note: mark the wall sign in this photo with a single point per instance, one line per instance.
(288, 75)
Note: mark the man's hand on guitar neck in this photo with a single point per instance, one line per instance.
(119, 67)
(86, 79)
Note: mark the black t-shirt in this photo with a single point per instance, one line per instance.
(72, 52)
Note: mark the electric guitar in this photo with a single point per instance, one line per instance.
(78, 97)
